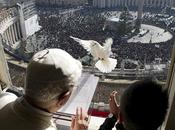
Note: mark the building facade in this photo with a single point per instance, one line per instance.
(10, 29)
(132, 3)
(17, 23)
(61, 2)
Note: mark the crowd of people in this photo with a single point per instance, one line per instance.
(17, 75)
(103, 91)
(58, 28)
(58, 25)
(88, 24)
(163, 20)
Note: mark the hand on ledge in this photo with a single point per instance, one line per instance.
(80, 120)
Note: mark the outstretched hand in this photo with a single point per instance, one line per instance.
(80, 120)
(113, 105)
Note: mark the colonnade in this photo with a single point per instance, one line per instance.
(12, 34)
(115, 3)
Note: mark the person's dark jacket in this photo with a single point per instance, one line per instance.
(109, 124)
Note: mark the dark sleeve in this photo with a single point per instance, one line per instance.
(108, 124)
(119, 126)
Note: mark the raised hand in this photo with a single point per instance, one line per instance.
(113, 105)
(80, 120)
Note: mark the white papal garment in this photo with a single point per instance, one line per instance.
(20, 115)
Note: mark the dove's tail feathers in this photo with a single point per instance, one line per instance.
(106, 65)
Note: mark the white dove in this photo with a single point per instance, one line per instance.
(101, 53)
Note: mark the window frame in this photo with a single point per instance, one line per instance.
(170, 85)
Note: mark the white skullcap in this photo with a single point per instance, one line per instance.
(50, 66)
(6, 98)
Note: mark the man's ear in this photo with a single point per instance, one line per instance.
(63, 99)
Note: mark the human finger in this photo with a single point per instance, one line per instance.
(115, 98)
(111, 97)
(77, 113)
(81, 113)
(73, 122)
(112, 94)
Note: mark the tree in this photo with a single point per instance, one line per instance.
(125, 22)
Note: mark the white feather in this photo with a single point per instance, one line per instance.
(107, 46)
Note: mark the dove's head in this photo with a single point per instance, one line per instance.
(94, 44)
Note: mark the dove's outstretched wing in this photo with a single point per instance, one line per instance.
(85, 43)
(107, 46)
(90, 45)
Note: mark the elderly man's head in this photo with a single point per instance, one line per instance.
(144, 105)
(51, 75)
